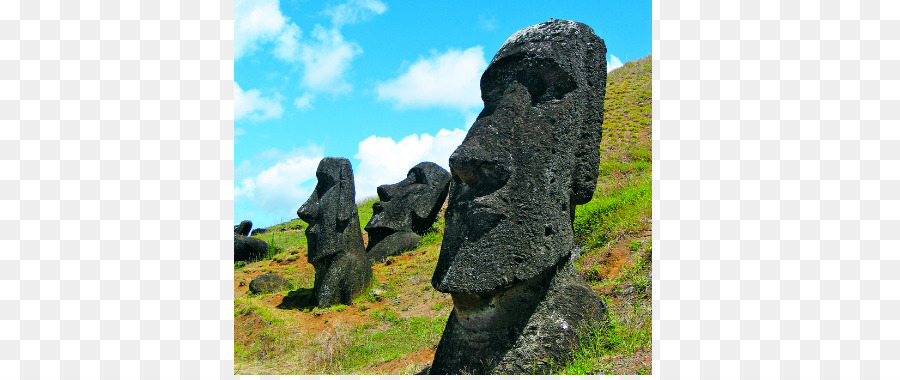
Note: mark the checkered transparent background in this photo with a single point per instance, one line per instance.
(776, 189)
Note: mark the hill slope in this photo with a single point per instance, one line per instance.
(395, 326)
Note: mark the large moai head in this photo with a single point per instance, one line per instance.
(331, 212)
(531, 156)
(410, 205)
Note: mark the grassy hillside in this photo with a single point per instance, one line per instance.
(394, 327)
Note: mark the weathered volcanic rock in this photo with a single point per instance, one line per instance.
(393, 245)
(243, 228)
(406, 209)
(249, 248)
(334, 238)
(268, 283)
(531, 156)
(258, 231)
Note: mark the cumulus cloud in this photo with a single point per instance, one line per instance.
(613, 63)
(282, 186)
(251, 105)
(304, 102)
(354, 11)
(255, 21)
(384, 161)
(449, 80)
(327, 59)
(325, 55)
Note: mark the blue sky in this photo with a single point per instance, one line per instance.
(386, 84)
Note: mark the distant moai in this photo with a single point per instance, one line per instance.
(406, 210)
(334, 239)
(531, 156)
(243, 228)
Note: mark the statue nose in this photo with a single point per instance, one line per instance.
(479, 168)
(308, 211)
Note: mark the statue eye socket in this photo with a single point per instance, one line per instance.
(544, 79)
(325, 182)
(416, 175)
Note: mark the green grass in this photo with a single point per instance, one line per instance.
(613, 213)
(372, 345)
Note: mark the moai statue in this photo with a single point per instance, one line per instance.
(243, 228)
(334, 239)
(531, 156)
(406, 210)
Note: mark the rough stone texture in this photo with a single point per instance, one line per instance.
(334, 238)
(531, 156)
(408, 209)
(248, 248)
(520, 330)
(268, 283)
(393, 245)
(257, 231)
(243, 228)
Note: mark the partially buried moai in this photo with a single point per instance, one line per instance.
(406, 210)
(531, 156)
(333, 237)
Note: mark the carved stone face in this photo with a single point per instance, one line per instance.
(331, 212)
(409, 205)
(529, 158)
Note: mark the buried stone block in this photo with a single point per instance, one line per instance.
(531, 156)
(406, 210)
(334, 239)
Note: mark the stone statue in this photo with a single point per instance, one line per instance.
(334, 239)
(243, 228)
(531, 156)
(406, 210)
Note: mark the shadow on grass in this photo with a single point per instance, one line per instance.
(300, 299)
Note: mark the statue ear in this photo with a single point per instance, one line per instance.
(346, 195)
(587, 164)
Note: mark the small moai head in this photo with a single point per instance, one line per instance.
(410, 205)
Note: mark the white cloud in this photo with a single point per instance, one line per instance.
(304, 102)
(250, 104)
(384, 161)
(449, 80)
(288, 43)
(354, 11)
(487, 23)
(613, 63)
(255, 21)
(281, 187)
(326, 60)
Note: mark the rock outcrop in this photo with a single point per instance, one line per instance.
(531, 156)
(334, 239)
(406, 210)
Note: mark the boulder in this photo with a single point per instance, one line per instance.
(531, 156)
(249, 248)
(334, 239)
(258, 231)
(269, 283)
